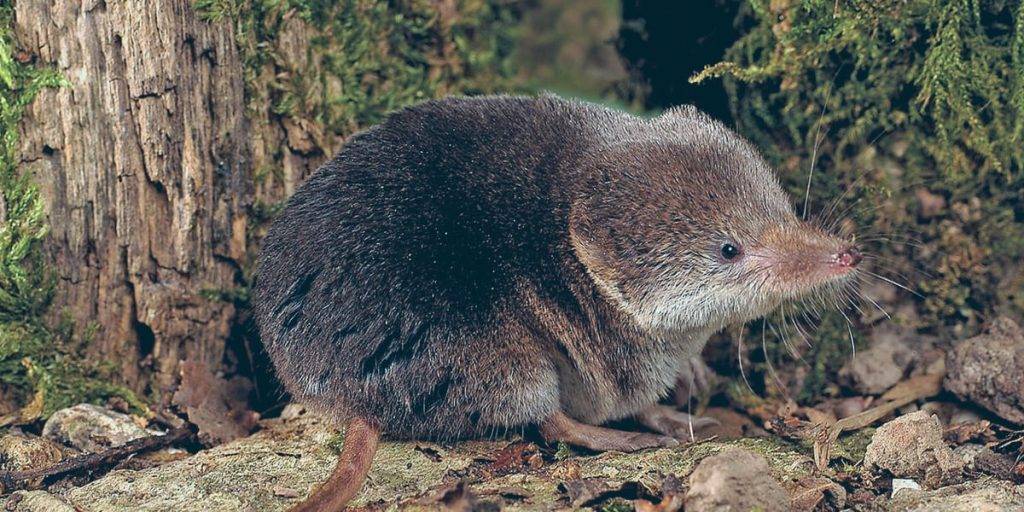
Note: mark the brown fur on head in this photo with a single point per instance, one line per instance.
(689, 229)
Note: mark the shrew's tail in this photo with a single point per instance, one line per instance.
(361, 438)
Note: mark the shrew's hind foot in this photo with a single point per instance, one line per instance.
(559, 427)
(673, 422)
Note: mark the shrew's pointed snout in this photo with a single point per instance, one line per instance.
(848, 257)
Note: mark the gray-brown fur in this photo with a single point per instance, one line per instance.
(475, 265)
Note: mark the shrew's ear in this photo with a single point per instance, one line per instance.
(591, 241)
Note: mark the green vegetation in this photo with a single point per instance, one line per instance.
(39, 363)
(905, 101)
(364, 58)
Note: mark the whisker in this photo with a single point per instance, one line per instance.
(895, 262)
(849, 329)
(894, 283)
(891, 268)
(739, 359)
(785, 341)
(877, 306)
(818, 138)
(768, 361)
(796, 326)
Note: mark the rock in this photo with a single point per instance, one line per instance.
(981, 460)
(35, 501)
(911, 446)
(731, 425)
(880, 367)
(977, 496)
(735, 479)
(91, 428)
(900, 484)
(846, 407)
(988, 370)
(22, 452)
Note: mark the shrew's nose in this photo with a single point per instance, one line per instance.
(849, 257)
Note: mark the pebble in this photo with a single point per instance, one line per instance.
(880, 367)
(92, 428)
(988, 370)
(735, 479)
(911, 446)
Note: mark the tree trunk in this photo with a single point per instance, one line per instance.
(179, 132)
(144, 161)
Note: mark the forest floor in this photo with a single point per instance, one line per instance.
(929, 430)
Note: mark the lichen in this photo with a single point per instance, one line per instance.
(889, 99)
(39, 366)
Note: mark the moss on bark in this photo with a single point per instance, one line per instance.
(40, 366)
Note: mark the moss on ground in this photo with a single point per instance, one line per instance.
(896, 104)
(39, 364)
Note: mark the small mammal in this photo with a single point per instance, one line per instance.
(472, 265)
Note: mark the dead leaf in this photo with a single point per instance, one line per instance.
(456, 498)
(32, 411)
(810, 492)
(218, 407)
(672, 497)
(962, 433)
(589, 491)
(516, 457)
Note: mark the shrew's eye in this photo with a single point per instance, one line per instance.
(729, 251)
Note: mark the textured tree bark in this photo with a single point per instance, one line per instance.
(145, 163)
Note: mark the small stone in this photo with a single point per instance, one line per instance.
(285, 492)
(22, 453)
(816, 493)
(911, 446)
(880, 367)
(988, 370)
(981, 495)
(850, 406)
(735, 479)
(900, 484)
(292, 411)
(91, 428)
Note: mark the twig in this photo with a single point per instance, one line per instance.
(910, 390)
(11, 480)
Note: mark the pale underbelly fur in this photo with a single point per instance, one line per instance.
(592, 399)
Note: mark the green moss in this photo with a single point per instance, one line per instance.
(364, 58)
(617, 505)
(903, 96)
(39, 365)
(852, 447)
